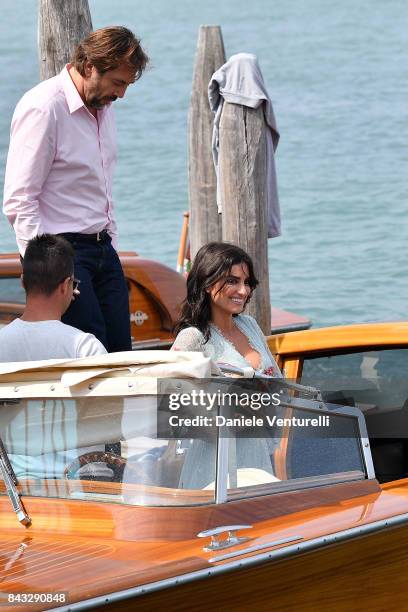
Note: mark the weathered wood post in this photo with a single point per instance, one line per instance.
(205, 224)
(61, 26)
(243, 179)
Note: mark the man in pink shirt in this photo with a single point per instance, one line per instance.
(59, 174)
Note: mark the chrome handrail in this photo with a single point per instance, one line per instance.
(250, 549)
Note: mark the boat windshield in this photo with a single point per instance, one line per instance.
(99, 448)
(107, 447)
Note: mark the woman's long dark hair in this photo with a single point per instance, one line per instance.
(212, 263)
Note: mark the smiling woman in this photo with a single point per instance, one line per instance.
(219, 287)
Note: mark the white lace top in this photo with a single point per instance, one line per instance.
(221, 350)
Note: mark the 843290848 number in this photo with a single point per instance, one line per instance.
(33, 598)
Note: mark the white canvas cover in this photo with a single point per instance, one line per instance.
(157, 364)
(58, 405)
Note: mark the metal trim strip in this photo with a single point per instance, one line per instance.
(275, 555)
(249, 549)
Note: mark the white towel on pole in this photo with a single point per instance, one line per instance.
(240, 81)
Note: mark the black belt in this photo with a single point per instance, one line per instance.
(102, 236)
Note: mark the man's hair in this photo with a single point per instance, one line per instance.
(107, 48)
(48, 261)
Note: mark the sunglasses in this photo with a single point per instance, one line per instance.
(75, 284)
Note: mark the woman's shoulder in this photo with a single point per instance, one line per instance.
(248, 322)
(192, 332)
(189, 339)
(250, 327)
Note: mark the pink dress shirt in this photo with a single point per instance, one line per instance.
(60, 164)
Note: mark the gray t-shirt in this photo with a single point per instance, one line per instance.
(30, 341)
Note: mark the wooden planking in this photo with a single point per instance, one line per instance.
(205, 222)
(358, 336)
(165, 287)
(60, 526)
(137, 523)
(10, 311)
(368, 573)
(61, 26)
(243, 180)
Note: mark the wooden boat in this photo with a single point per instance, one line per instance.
(155, 294)
(326, 531)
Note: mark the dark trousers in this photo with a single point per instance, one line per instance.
(102, 308)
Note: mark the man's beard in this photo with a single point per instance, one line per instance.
(98, 103)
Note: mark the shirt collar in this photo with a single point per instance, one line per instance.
(72, 96)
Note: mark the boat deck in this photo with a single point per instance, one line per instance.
(80, 546)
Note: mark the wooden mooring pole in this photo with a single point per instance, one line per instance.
(205, 222)
(243, 179)
(242, 165)
(62, 25)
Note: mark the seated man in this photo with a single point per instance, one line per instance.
(50, 286)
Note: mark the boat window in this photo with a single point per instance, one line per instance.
(11, 291)
(100, 448)
(376, 382)
(299, 451)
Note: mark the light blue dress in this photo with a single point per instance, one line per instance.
(250, 452)
(221, 350)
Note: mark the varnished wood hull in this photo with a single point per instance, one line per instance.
(126, 558)
(366, 573)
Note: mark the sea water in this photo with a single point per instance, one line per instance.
(337, 77)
